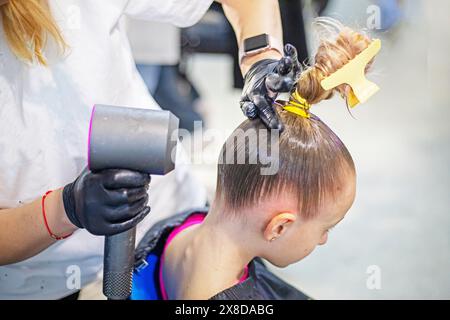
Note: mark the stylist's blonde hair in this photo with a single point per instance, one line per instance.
(27, 25)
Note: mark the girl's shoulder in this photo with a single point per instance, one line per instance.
(261, 284)
(155, 238)
(146, 277)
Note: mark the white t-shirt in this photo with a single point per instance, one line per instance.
(44, 116)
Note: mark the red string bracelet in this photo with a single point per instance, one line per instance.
(45, 219)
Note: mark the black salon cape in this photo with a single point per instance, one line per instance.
(261, 284)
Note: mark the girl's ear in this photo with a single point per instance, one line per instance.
(278, 225)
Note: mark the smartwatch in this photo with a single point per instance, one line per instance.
(260, 43)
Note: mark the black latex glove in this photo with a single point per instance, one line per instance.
(107, 202)
(264, 81)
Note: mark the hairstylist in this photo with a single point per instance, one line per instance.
(57, 59)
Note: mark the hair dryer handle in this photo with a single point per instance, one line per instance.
(118, 265)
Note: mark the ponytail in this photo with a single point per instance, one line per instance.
(338, 45)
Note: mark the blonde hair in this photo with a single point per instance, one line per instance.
(338, 45)
(27, 25)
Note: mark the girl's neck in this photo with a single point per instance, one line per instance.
(211, 254)
(224, 240)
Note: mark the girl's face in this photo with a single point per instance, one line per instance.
(300, 237)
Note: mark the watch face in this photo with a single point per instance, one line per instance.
(255, 43)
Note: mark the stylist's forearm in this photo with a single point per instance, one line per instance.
(22, 230)
(253, 17)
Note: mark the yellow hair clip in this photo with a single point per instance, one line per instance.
(353, 74)
(298, 105)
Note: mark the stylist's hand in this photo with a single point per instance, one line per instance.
(264, 81)
(107, 202)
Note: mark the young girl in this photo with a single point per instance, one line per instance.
(215, 253)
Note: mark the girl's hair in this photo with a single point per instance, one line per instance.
(27, 25)
(312, 160)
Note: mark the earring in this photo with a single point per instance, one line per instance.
(273, 239)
